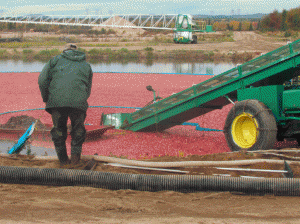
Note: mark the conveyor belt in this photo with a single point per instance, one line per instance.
(273, 68)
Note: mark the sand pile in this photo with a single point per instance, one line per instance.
(118, 21)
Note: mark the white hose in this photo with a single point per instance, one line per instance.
(166, 164)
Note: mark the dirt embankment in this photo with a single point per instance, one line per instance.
(243, 42)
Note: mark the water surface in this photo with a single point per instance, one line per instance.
(130, 67)
(6, 145)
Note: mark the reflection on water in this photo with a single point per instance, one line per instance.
(202, 68)
(129, 67)
(6, 145)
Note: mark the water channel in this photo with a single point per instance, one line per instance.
(130, 67)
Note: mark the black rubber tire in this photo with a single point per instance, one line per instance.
(194, 41)
(267, 126)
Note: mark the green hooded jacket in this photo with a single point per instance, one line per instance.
(66, 81)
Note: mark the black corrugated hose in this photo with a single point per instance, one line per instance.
(116, 181)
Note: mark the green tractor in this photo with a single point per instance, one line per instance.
(186, 28)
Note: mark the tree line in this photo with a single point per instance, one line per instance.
(235, 25)
(276, 21)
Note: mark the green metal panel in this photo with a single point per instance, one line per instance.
(116, 119)
(209, 28)
(291, 101)
(185, 19)
(296, 46)
(271, 96)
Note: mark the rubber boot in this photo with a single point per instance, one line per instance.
(75, 158)
(62, 155)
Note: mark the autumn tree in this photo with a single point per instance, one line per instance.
(3, 26)
(293, 19)
(240, 26)
(271, 22)
(283, 26)
(251, 27)
(229, 27)
(220, 26)
(245, 25)
(255, 25)
(234, 25)
(275, 20)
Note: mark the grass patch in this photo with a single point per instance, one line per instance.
(158, 41)
(27, 51)
(125, 50)
(123, 55)
(99, 45)
(131, 44)
(4, 54)
(218, 39)
(46, 54)
(28, 55)
(109, 55)
(31, 44)
(148, 49)
(204, 56)
(149, 55)
(82, 49)
(95, 52)
(16, 55)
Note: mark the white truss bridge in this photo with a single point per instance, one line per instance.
(164, 22)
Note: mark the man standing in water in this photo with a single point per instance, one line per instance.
(65, 84)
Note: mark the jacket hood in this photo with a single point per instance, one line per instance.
(74, 55)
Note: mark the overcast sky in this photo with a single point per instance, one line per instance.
(95, 7)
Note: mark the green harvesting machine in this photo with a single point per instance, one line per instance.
(185, 29)
(264, 92)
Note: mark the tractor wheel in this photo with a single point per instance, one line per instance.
(194, 41)
(250, 125)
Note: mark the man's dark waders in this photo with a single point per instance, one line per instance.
(59, 132)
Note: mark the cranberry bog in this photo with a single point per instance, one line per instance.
(116, 91)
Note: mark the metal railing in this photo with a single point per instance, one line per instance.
(166, 22)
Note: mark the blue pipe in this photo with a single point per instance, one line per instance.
(198, 128)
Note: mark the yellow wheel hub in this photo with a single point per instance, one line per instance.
(244, 130)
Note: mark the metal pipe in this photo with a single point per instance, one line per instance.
(154, 95)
